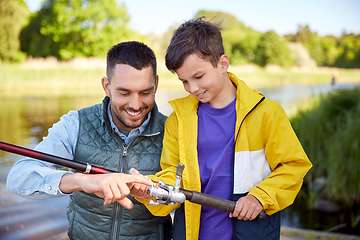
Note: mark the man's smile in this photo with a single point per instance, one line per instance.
(133, 113)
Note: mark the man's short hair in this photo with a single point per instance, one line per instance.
(195, 36)
(136, 54)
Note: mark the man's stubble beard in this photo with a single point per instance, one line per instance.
(129, 123)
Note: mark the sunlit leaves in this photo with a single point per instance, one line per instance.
(77, 28)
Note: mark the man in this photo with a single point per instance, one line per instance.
(123, 132)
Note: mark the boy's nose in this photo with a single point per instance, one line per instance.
(193, 87)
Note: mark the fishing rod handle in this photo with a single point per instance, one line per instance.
(214, 202)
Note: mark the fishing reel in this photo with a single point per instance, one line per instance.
(165, 194)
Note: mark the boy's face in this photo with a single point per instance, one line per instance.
(207, 83)
(132, 95)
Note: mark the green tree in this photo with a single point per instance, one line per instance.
(272, 49)
(316, 50)
(76, 28)
(303, 35)
(33, 42)
(331, 51)
(349, 49)
(13, 15)
(239, 41)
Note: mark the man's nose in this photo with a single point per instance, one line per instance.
(135, 102)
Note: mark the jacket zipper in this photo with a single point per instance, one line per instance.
(122, 170)
(262, 99)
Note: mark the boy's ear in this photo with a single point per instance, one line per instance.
(224, 62)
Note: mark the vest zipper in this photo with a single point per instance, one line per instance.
(124, 160)
(116, 220)
(122, 170)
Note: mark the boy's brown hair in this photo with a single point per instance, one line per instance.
(195, 36)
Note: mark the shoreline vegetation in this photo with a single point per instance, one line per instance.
(82, 76)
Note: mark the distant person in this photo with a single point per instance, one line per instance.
(123, 133)
(333, 81)
(235, 144)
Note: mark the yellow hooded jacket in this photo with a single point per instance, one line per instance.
(269, 162)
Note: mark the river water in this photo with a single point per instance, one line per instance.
(24, 121)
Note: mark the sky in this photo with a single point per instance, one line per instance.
(326, 17)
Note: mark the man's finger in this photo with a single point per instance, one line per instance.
(136, 179)
(126, 203)
(133, 171)
(108, 195)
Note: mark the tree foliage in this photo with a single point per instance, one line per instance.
(301, 55)
(330, 51)
(239, 41)
(75, 28)
(349, 52)
(13, 15)
(272, 49)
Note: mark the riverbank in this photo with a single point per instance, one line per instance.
(287, 233)
(41, 77)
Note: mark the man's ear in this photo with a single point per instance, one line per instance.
(156, 82)
(224, 62)
(106, 85)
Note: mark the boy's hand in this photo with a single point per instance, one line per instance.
(137, 189)
(247, 208)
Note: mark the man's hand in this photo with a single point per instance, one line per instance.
(112, 187)
(247, 208)
(136, 189)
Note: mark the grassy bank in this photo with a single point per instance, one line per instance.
(329, 130)
(83, 76)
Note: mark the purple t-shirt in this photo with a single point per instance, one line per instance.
(216, 132)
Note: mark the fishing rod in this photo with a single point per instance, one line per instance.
(161, 193)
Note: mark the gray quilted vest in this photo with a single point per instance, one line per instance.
(99, 146)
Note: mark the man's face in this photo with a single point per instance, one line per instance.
(132, 95)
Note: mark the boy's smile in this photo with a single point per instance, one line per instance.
(207, 83)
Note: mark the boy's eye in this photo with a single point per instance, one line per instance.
(198, 77)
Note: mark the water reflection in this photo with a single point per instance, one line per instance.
(29, 219)
(24, 121)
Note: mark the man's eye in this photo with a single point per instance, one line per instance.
(146, 93)
(124, 93)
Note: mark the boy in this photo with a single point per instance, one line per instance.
(235, 144)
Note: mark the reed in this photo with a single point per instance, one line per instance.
(329, 130)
